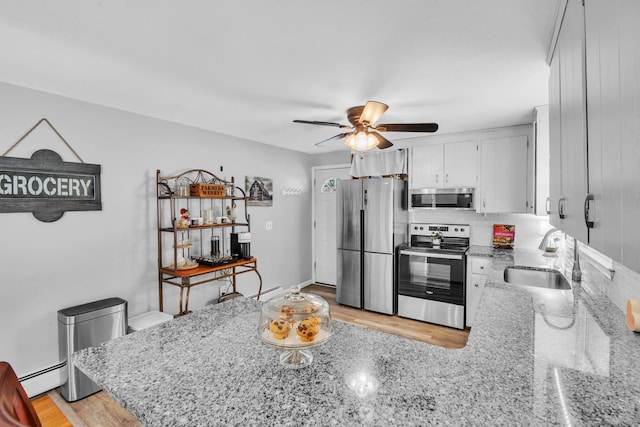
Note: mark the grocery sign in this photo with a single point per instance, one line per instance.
(47, 187)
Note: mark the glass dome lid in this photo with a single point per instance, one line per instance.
(294, 322)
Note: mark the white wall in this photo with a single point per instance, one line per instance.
(87, 256)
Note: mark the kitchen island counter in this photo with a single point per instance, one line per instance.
(210, 368)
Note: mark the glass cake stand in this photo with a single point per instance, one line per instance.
(294, 323)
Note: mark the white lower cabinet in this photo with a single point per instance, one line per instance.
(477, 273)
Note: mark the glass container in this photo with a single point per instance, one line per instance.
(293, 323)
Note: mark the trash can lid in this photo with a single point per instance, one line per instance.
(91, 310)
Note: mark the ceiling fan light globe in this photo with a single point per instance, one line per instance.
(361, 141)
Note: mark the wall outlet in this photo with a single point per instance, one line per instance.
(269, 225)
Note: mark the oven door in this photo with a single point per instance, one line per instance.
(433, 276)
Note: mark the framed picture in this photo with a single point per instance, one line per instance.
(259, 191)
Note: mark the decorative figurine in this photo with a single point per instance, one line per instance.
(232, 212)
(183, 222)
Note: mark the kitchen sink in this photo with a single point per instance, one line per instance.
(536, 277)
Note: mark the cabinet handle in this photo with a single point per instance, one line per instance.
(561, 207)
(476, 285)
(587, 210)
(547, 205)
(446, 178)
(482, 267)
(484, 202)
(437, 178)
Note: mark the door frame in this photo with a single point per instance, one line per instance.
(314, 169)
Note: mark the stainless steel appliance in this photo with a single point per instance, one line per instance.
(443, 198)
(372, 223)
(83, 326)
(432, 277)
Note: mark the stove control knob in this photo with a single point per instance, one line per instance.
(462, 229)
(421, 228)
(455, 229)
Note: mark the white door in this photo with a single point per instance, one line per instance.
(325, 179)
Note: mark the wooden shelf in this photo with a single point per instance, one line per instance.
(205, 226)
(205, 269)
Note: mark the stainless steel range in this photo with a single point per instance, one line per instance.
(432, 275)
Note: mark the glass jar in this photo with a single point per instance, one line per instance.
(182, 187)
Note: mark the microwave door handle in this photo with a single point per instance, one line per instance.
(430, 255)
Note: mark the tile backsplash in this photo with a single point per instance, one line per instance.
(529, 232)
(529, 228)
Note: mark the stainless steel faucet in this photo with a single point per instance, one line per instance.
(543, 244)
(576, 273)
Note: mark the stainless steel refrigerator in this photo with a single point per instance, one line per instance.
(372, 223)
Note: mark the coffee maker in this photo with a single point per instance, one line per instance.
(241, 245)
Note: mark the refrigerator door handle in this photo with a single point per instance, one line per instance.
(365, 198)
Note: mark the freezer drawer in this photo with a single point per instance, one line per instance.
(85, 326)
(348, 286)
(379, 285)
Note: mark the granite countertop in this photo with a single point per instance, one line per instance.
(532, 358)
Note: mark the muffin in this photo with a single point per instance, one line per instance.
(307, 330)
(286, 313)
(280, 328)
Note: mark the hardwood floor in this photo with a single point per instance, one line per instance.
(100, 410)
(419, 331)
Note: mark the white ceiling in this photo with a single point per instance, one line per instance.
(249, 67)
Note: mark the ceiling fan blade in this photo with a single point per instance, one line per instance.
(372, 111)
(382, 141)
(314, 122)
(333, 138)
(407, 127)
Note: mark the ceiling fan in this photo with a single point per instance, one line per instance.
(364, 134)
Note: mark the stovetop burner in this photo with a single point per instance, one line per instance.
(454, 238)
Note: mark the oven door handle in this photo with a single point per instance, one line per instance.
(430, 255)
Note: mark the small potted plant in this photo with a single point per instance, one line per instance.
(436, 239)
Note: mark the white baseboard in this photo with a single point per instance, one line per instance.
(45, 379)
(279, 289)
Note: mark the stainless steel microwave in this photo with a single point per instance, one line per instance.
(442, 198)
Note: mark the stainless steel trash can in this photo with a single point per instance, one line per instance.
(83, 326)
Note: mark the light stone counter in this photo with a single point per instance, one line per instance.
(528, 361)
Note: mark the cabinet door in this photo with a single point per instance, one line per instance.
(567, 110)
(460, 163)
(541, 137)
(477, 268)
(573, 120)
(504, 175)
(555, 162)
(613, 66)
(630, 131)
(426, 166)
(604, 126)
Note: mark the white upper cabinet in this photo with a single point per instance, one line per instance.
(594, 108)
(444, 165)
(567, 108)
(460, 164)
(503, 175)
(613, 105)
(427, 167)
(542, 203)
